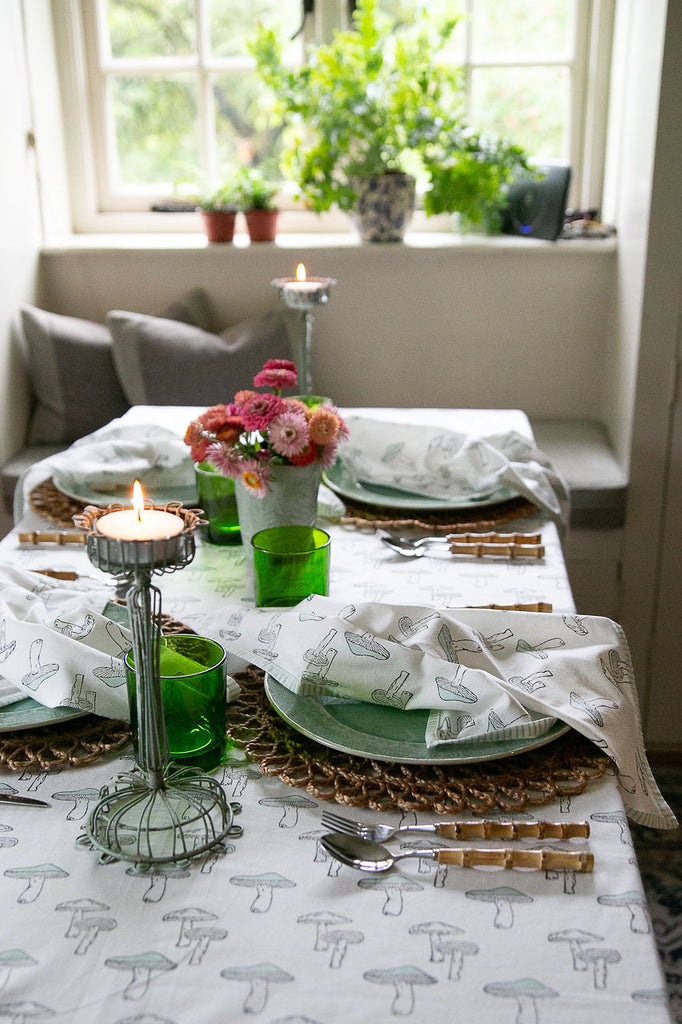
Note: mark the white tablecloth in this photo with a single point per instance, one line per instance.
(332, 942)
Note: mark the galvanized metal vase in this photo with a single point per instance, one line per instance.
(291, 501)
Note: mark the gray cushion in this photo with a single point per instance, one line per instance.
(160, 362)
(72, 374)
(72, 369)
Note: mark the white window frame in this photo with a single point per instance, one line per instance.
(83, 85)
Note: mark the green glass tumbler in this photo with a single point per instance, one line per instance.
(289, 564)
(193, 694)
(217, 498)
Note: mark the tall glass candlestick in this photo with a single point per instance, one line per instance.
(303, 293)
(158, 812)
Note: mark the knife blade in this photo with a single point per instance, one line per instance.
(17, 798)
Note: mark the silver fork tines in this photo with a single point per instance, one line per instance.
(480, 828)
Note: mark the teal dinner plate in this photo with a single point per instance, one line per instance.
(339, 478)
(81, 489)
(28, 714)
(386, 734)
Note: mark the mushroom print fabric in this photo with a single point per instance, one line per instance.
(483, 674)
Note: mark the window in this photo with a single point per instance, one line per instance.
(169, 92)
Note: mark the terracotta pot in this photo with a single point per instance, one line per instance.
(261, 224)
(219, 224)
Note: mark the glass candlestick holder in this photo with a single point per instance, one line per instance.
(159, 812)
(303, 296)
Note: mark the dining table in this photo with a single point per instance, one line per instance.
(268, 926)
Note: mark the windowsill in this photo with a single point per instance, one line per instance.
(301, 241)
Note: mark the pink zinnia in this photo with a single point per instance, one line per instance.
(328, 456)
(276, 376)
(242, 397)
(324, 425)
(225, 458)
(255, 476)
(288, 433)
(260, 410)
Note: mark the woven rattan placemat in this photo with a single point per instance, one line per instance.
(556, 771)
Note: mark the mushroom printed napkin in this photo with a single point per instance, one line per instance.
(482, 674)
(441, 463)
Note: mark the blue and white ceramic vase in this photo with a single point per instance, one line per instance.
(384, 206)
(290, 501)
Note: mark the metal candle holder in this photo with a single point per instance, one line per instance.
(159, 812)
(304, 301)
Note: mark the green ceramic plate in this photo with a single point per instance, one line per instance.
(386, 734)
(339, 478)
(79, 489)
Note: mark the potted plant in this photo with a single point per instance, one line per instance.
(256, 198)
(373, 108)
(218, 209)
(359, 111)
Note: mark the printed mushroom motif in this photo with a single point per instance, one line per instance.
(202, 936)
(599, 958)
(636, 904)
(188, 918)
(259, 977)
(394, 886)
(143, 965)
(322, 919)
(456, 949)
(36, 876)
(90, 929)
(158, 877)
(11, 958)
(79, 798)
(525, 991)
(575, 937)
(614, 818)
(25, 1011)
(340, 939)
(504, 897)
(403, 979)
(289, 805)
(437, 931)
(264, 885)
(78, 909)
(145, 1018)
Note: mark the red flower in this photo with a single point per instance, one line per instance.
(214, 417)
(306, 456)
(199, 450)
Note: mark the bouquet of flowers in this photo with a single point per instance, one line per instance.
(259, 431)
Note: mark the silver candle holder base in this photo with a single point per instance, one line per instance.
(158, 813)
(303, 296)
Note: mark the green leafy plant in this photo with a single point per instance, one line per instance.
(254, 190)
(367, 103)
(225, 197)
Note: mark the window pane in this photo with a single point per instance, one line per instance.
(529, 105)
(403, 13)
(151, 28)
(234, 23)
(244, 133)
(526, 29)
(156, 129)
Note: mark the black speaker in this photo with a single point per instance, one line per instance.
(536, 208)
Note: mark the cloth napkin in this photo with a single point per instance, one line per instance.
(58, 647)
(111, 459)
(439, 463)
(483, 674)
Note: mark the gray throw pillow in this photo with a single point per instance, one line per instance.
(72, 371)
(72, 374)
(161, 362)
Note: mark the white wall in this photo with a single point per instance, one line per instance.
(21, 229)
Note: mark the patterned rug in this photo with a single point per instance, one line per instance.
(659, 854)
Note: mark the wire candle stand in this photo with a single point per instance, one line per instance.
(159, 812)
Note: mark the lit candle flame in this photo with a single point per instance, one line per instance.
(138, 500)
(300, 272)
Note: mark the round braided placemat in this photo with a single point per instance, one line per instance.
(451, 521)
(70, 744)
(49, 502)
(557, 771)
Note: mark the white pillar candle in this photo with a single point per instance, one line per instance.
(138, 522)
